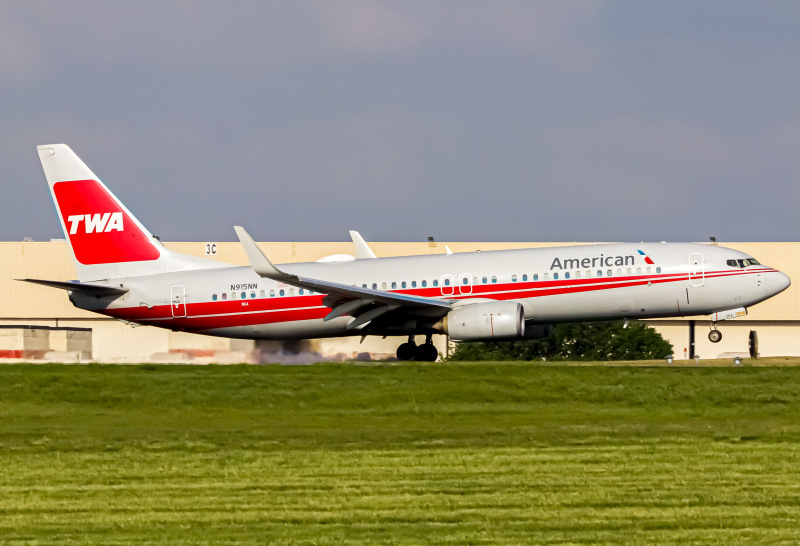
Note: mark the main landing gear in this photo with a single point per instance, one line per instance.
(714, 336)
(422, 353)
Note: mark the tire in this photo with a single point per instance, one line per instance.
(406, 351)
(714, 336)
(753, 339)
(427, 353)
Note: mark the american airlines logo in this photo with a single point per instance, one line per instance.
(597, 261)
(96, 223)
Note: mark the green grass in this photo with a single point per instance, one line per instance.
(399, 454)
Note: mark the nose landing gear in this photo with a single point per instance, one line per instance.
(714, 336)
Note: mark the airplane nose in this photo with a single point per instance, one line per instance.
(778, 282)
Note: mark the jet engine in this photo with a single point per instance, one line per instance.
(484, 321)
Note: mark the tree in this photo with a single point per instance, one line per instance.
(607, 340)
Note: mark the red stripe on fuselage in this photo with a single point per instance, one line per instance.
(223, 314)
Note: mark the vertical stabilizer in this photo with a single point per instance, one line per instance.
(106, 239)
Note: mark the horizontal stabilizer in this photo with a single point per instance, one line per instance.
(75, 286)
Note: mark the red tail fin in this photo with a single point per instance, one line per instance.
(107, 240)
(98, 227)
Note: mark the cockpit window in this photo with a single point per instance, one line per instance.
(742, 263)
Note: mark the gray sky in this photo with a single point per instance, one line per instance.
(466, 120)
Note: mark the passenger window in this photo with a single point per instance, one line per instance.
(619, 272)
(233, 295)
(252, 295)
(465, 281)
(383, 286)
(447, 282)
(413, 284)
(435, 282)
(513, 278)
(547, 276)
(535, 276)
(609, 273)
(494, 279)
(263, 294)
(224, 296)
(300, 291)
(658, 270)
(394, 285)
(291, 291)
(648, 270)
(483, 280)
(577, 274)
(629, 271)
(363, 285)
(214, 297)
(566, 275)
(555, 276)
(525, 277)
(638, 270)
(282, 292)
(599, 273)
(424, 283)
(271, 293)
(403, 284)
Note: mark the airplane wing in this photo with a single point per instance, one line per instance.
(341, 298)
(75, 286)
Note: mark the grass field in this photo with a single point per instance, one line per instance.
(399, 454)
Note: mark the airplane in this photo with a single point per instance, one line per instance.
(126, 273)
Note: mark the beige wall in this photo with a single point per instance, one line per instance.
(777, 320)
(775, 338)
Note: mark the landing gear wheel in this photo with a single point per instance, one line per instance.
(406, 351)
(427, 353)
(714, 336)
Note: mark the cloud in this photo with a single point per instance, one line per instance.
(318, 116)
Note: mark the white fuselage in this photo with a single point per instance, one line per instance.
(557, 284)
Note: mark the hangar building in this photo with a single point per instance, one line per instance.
(37, 322)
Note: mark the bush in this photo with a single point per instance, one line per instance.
(606, 340)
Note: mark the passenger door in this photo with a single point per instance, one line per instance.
(178, 298)
(697, 273)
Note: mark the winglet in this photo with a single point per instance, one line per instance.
(362, 248)
(258, 260)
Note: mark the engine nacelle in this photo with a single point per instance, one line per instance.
(484, 321)
(537, 331)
